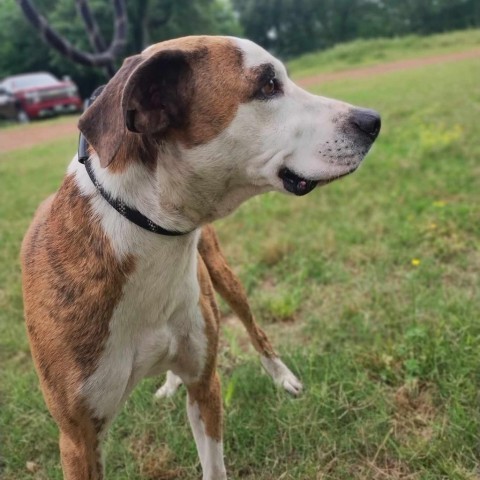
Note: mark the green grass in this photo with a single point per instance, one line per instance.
(388, 350)
(361, 53)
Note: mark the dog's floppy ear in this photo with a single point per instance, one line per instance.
(146, 95)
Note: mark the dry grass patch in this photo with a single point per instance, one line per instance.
(154, 461)
(415, 412)
(384, 469)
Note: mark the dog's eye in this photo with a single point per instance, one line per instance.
(271, 88)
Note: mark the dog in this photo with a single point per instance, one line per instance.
(114, 286)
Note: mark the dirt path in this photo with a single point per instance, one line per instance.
(389, 67)
(33, 134)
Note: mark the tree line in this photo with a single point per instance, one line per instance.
(286, 27)
(293, 27)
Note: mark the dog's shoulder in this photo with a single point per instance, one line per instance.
(71, 276)
(29, 240)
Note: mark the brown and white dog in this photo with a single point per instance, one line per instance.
(212, 121)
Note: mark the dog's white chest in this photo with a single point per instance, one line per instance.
(156, 318)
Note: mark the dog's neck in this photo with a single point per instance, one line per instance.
(170, 191)
(145, 190)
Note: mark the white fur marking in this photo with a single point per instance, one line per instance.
(158, 317)
(209, 450)
(170, 387)
(159, 310)
(254, 55)
(282, 375)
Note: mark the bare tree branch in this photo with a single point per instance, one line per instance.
(94, 35)
(53, 38)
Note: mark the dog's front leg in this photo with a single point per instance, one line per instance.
(204, 403)
(80, 451)
(204, 407)
(229, 287)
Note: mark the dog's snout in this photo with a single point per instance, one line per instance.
(367, 121)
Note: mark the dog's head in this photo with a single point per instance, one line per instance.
(232, 117)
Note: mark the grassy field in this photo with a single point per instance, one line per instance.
(362, 53)
(370, 288)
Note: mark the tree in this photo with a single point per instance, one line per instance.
(21, 49)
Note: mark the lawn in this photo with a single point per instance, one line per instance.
(369, 287)
(362, 53)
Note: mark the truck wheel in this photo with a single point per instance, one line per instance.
(22, 116)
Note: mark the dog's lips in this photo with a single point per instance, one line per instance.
(300, 186)
(295, 184)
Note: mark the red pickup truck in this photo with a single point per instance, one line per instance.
(35, 95)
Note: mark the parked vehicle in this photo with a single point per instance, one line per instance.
(10, 107)
(35, 95)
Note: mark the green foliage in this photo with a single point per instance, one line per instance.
(383, 268)
(176, 18)
(20, 48)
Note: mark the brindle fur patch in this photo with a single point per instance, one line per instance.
(71, 284)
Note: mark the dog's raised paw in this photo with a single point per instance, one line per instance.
(169, 388)
(292, 384)
(282, 375)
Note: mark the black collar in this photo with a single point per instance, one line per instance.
(129, 213)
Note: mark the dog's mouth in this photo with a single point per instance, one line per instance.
(295, 184)
(300, 186)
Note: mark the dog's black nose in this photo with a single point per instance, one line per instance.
(368, 121)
